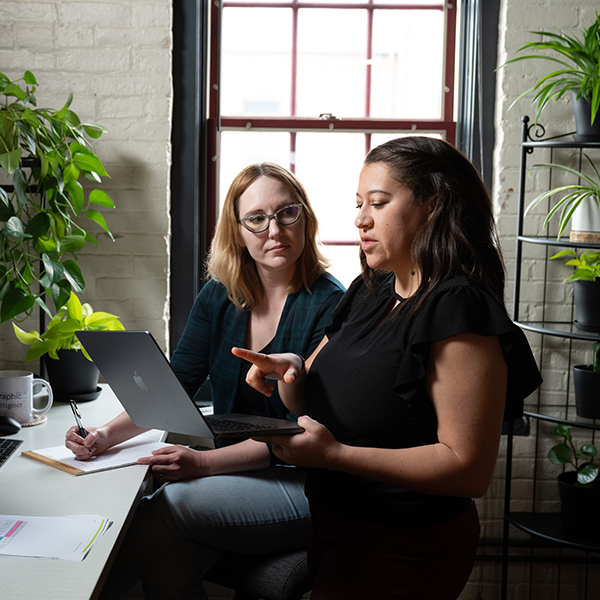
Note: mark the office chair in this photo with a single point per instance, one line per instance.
(281, 576)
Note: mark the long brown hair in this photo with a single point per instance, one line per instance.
(232, 265)
(460, 236)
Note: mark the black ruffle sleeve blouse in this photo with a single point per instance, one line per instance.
(367, 387)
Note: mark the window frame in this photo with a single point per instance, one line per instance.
(217, 123)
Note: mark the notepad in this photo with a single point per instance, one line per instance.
(121, 455)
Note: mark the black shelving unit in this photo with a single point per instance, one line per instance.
(546, 528)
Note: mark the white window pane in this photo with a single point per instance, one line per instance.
(256, 61)
(242, 148)
(331, 62)
(408, 51)
(380, 138)
(344, 262)
(328, 164)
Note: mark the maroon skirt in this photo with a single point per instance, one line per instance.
(352, 559)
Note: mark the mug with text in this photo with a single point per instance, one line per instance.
(16, 395)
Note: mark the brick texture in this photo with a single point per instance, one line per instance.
(116, 59)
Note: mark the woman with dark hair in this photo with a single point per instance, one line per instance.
(268, 290)
(406, 394)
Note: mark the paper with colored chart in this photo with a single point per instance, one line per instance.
(55, 538)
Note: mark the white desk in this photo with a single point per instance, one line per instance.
(33, 489)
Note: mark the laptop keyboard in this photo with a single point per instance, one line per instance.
(7, 449)
(223, 425)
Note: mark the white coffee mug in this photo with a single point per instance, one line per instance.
(16, 395)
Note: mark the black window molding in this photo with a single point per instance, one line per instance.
(188, 170)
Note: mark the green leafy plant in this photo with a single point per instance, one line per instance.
(566, 453)
(576, 193)
(596, 355)
(587, 265)
(42, 219)
(582, 72)
(61, 332)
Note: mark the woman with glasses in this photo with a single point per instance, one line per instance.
(268, 291)
(406, 393)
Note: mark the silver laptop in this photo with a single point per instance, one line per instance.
(144, 382)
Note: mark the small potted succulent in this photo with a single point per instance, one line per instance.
(577, 54)
(578, 488)
(579, 206)
(74, 375)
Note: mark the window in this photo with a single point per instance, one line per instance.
(314, 85)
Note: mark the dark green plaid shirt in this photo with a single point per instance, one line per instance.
(215, 326)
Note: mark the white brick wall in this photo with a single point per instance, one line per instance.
(518, 17)
(116, 59)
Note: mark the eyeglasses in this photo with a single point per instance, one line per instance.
(258, 223)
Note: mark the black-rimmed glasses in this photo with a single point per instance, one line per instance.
(260, 222)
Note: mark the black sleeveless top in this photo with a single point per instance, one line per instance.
(367, 387)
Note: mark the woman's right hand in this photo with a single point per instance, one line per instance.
(280, 367)
(95, 443)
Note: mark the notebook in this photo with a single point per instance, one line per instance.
(144, 382)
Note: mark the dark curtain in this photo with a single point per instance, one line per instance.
(475, 134)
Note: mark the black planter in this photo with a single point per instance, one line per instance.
(73, 376)
(579, 505)
(587, 391)
(582, 109)
(587, 302)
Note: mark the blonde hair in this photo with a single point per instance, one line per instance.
(231, 264)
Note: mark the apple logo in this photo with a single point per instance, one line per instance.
(139, 382)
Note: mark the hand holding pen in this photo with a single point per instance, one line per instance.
(82, 430)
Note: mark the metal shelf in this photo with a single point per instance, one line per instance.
(550, 527)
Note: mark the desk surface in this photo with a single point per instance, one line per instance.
(33, 489)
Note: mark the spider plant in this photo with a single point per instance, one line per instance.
(576, 193)
(581, 73)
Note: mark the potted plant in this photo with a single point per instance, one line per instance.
(578, 74)
(578, 489)
(586, 287)
(74, 375)
(580, 205)
(586, 380)
(43, 214)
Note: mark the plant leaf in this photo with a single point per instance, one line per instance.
(560, 454)
(25, 337)
(96, 216)
(74, 275)
(89, 162)
(94, 131)
(75, 191)
(15, 302)
(9, 161)
(60, 293)
(587, 473)
(101, 198)
(72, 243)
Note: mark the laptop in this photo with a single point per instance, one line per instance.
(146, 385)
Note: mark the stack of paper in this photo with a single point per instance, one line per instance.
(56, 538)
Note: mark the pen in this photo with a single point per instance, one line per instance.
(82, 432)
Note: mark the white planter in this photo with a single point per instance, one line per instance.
(585, 222)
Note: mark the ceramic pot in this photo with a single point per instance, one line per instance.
(585, 221)
(579, 505)
(587, 303)
(587, 391)
(582, 110)
(73, 376)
